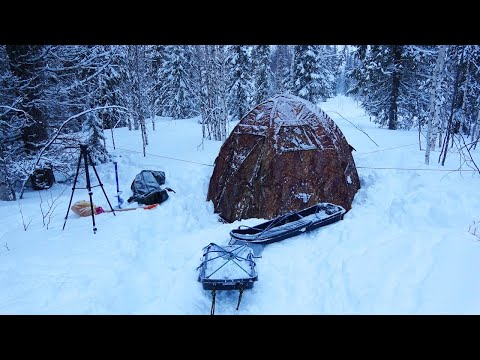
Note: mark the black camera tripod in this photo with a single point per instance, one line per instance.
(85, 155)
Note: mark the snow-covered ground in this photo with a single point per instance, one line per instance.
(404, 248)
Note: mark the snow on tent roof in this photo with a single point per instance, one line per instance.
(293, 121)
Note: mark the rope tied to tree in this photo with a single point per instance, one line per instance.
(212, 310)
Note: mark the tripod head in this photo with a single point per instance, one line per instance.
(84, 149)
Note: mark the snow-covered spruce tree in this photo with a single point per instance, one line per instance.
(109, 86)
(262, 73)
(27, 63)
(95, 138)
(473, 94)
(222, 80)
(379, 83)
(414, 98)
(108, 89)
(462, 105)
(282, 57)
(240, 94)
(471, 90)
(10, 130)
(462, 62)
(98, 94)
(308, 82)
(357, 74)
(155, 63)
(212, 68)
(177, 93)
(24, 113)
(328, 68)
(161, 60)
(346, 65)
(137, 74)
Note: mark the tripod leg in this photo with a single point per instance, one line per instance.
(73, 189)
(83, 149)
(101, 185)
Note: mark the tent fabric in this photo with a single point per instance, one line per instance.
(284, 155)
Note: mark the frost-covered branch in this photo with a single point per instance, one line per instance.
(55, 136)
(9, 108)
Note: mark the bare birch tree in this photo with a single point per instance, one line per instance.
(433, 126)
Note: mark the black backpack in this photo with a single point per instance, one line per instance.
(154, 197)
(147, 188)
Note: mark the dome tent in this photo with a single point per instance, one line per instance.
(284, 155)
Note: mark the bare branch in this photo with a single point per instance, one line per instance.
(470, 157)
(472, 229)
(47, 215)
(25, 226)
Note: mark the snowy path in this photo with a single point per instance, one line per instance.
(404, 247)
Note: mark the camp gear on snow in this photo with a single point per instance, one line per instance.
(85, 155)
(83, 208)
(146, 207)
(154, 197)
(288, 225)
(228, 267)
(120, 200)
(42, 177)
(147, 188)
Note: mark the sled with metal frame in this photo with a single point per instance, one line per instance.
(230, 267)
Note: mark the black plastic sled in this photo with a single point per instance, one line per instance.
(288, 225)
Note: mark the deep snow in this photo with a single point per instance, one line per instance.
(404, 248)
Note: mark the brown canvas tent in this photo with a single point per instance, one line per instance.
(284, 155)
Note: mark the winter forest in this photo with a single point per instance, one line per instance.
(406, 116)
(54, 97)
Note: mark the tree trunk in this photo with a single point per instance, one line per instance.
(476, 142)
(474, 131)
(7, 190)
(433, 119)
(152, 112)
(392, 112)
(450, 119)
(113, 139)
(137, 58)
(419, 133)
